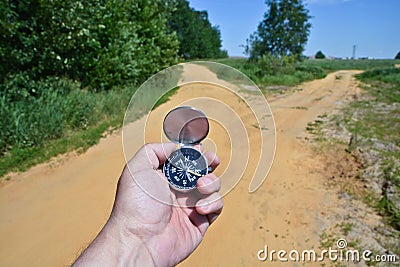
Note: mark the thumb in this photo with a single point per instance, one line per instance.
(152, 155)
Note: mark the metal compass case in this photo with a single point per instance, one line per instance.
(187, 127)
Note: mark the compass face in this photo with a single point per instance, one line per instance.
(184, 167)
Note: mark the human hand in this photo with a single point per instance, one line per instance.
(152, 224)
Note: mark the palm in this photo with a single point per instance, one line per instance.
(165, 220)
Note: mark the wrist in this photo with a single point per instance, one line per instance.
(132, 250)
(115, 246)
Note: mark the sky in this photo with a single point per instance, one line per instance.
(373, 26)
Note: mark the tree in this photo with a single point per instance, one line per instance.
(284, 30)
(100, 43)
(397, 56)
(198, 38)
(319, 55)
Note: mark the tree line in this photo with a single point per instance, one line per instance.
(68, 68)
(100, 43)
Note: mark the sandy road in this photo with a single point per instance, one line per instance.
(51, 212)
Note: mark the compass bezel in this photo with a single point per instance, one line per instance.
(187, 183)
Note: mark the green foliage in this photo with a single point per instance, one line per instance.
(59, 111)
(349, 64)
(273, 65)
(197, 37)
(56, 116)
(59, 106)
(271, 71)
(385, 84)
(21, 158)
(319, 55)
(386, 204)
(99, 43)
(69, 68)
(283, 31)
(164, 98)
(376, 120)
(397, 56)
(388, 209)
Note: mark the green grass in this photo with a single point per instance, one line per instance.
(38, 128)
(41, 119)
(279, 72)
(384, 84)
(315, 128)
(376, 120)
(349, 64)
(60, 117)
(20, 159)
(166, 96)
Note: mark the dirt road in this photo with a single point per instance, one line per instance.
(51, 212)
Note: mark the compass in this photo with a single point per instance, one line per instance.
(186, 126)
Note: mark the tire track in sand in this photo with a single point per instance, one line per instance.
(48, 214)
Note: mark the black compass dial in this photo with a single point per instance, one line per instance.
(184, 167)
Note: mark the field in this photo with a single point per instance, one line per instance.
(341, 131)
(280, 72)
(67, 118)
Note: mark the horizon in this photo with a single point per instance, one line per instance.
(337, 25)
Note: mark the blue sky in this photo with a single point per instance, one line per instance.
(372, 25)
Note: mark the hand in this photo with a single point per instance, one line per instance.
(152, 224)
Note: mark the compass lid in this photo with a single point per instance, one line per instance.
(186, 125)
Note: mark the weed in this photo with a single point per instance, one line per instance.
(327, 240)
(322, 116)
(346, 227)
(301, 108)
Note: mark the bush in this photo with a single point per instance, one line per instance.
(274, 65)
(51, 108)
(316, 72)
(99, 43)
(319, 55)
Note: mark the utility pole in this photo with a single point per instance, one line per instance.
(354, 52)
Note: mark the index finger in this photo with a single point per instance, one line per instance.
(212, 159)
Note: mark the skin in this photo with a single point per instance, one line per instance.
(144, 231)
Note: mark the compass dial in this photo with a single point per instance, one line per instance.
(184, 167)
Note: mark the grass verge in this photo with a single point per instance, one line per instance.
(59, 118)
(360, 144)
(368, 129)
(281, 73)
(375, 125)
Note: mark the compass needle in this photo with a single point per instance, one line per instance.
(194, 173)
